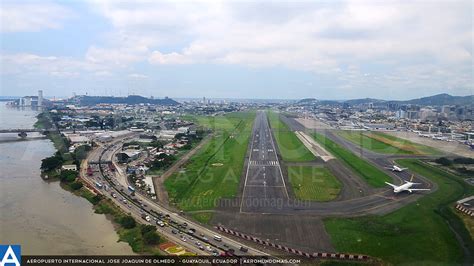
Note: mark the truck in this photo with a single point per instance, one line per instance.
(132, 190)
(146, 217)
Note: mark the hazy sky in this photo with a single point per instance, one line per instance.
(237, 49)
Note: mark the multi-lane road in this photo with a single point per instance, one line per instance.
(139, 204)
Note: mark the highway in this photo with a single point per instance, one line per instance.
(116, 182)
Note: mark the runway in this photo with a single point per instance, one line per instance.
(266, 206)
(266, 190)
(264, 184)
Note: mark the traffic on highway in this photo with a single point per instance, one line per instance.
(105, 174)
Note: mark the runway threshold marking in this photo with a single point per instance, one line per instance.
(262, 186)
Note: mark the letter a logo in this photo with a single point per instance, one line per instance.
(10, 255)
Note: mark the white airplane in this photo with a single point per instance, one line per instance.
(406, 187)
(395, 168)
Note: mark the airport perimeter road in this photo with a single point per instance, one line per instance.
(264, 184)
(143, 204)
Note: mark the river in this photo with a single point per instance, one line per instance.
(39, 215)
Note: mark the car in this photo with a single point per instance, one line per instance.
(201, 247)
(160, 223)
(215, 253)
(208, 248)
(197, 243)
(243, 249)
(226, 246)
(174, 231)
(191, 238)
(205, 239)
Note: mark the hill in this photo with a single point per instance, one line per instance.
(442, 99)
(132, 99)
(435, 100)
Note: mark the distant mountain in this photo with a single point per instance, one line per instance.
(307, 100)
(363, 101)
(132, 99)
(442, 99)
(435, 100)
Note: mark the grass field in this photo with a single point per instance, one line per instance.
(415, 234)
(371, 174)
(383, 143)
(218, 123)
(291, 148)
(214, 172)
(313, 183)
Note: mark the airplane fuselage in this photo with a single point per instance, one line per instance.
(404, 187)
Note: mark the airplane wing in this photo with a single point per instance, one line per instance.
(392, 185)
(418, 189)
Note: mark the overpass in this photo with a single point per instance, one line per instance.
(22, 132)
(19, 130)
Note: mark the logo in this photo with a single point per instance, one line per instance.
(10, 255)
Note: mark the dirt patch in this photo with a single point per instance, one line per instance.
(217, 164)
(396, 144)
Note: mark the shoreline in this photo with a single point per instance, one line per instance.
(100, 204)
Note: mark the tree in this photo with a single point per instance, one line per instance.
(68, 176)
(444, 161)
(51, 163)
(76, 185)
(150, 237)
(80, 153)
(463, 160)
(127, 222)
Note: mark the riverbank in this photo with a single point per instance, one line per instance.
(43, 217)
(143, 239)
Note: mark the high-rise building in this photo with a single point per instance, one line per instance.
(40, 98)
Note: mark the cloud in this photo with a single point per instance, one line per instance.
(172, 58)
(32, 16)
(113, 56)
(301, 35)
(137, 76)
(355, 45)
(27, 64)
